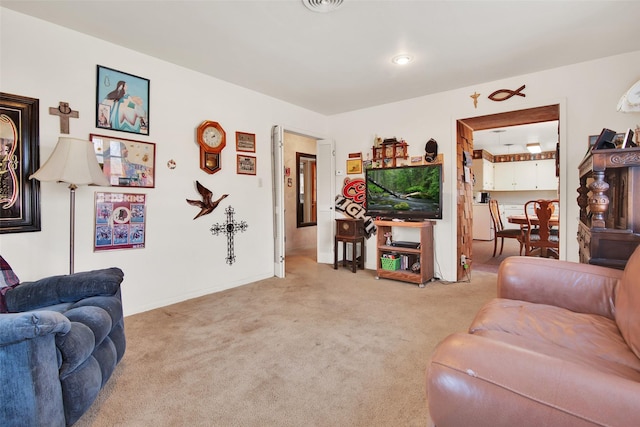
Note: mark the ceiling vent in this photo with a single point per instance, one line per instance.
(322, 6)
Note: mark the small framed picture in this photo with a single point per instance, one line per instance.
(122, 101)
(246, 165)
(618, 140)
(246, 142)
(354, 166)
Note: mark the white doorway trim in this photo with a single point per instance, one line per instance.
(326, 211)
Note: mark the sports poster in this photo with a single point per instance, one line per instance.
(119, 221)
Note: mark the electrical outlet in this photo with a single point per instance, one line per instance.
(463, 260)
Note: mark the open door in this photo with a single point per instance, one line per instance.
(326, 164)
(277, 158)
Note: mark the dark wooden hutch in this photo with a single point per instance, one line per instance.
(609, 200)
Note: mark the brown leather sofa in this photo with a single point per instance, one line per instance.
(560, 346)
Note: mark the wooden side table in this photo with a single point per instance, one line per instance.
(349, 230)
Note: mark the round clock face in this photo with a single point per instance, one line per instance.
(212, 137)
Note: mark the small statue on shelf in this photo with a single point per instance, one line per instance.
(388, 236)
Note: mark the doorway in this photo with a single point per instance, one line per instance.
(285, 144)
(300, 194)
(464, 139)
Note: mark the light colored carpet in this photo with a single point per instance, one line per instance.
(322, 347)
(482, 259)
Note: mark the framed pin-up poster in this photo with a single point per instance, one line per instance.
(122, 101)
(19, 158)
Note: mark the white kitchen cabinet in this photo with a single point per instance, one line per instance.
(482, 224)
(546, 175)
(513, 176)
(483, 173)
(508, 210)
(525, 176)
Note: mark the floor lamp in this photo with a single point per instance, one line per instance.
(73, 162)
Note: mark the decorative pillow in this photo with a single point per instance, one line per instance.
(8, 280)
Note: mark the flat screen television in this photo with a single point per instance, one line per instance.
(406, 192)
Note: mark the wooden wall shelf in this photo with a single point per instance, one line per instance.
(387, 154)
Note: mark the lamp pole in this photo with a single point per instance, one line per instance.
(72, 222)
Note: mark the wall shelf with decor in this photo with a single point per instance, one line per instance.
(409, 264)
(389, 151)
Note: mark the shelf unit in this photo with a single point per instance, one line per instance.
(609, 201)
(387, 154)
(424, 252)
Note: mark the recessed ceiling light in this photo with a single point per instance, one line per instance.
(322, 6)
(534, 148)
(402, 59)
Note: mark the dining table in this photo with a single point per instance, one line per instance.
(554, 221)
(521, 220)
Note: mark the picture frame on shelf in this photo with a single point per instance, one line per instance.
(627, 140)
(20, 157)
(125, 162)
(246, 142)
(122, 101)
(246, 165)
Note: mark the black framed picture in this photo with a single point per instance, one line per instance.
(19, 158)
(122, 101)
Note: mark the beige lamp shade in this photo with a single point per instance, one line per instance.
(73, 161)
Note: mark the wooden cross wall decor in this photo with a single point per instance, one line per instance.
(64, 112)
(230, 228)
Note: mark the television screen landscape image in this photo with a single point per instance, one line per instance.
(408, 192)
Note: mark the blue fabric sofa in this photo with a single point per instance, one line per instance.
(60, 341)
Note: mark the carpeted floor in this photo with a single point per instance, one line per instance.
(321, 347)
(482, 259)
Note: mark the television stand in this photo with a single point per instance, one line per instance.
(408, 256)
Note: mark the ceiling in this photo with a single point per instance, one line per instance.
(341, 61)
(514, 139)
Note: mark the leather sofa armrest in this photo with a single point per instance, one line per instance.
(473, 380)
(581, 288)
(16, 327)
(65, 288)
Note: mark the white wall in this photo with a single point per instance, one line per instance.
(587, 93)
(182, 259)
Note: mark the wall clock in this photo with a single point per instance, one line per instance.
(212, 139)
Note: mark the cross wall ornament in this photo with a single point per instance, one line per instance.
(64, 111)
(230, 228)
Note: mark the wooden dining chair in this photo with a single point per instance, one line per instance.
(501, 232)
(539, 237)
